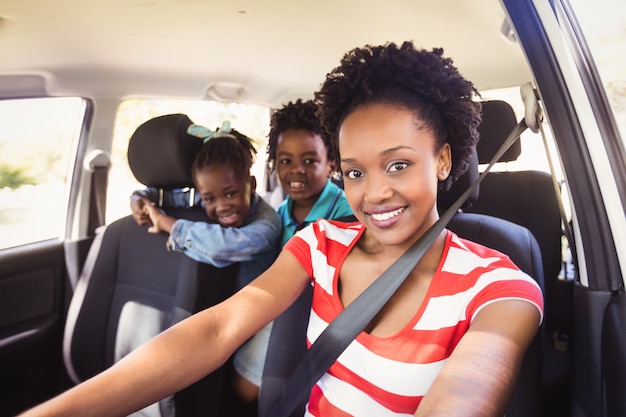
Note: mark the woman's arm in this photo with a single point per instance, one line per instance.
(184, 353)
(480, 375)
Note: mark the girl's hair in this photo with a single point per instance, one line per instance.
(421, 81)
(235, 149)
(298, 115)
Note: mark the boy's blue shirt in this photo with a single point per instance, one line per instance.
(331, 204)
(254, 245)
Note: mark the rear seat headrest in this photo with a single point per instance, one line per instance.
(498, 121)
(160, 152)
(446, 198)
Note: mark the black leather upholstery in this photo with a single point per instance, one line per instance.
(137, 288)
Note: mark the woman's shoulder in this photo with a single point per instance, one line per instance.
(343, 231)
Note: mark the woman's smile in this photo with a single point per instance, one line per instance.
(383, 217)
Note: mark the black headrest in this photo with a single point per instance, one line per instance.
(160, 152)
(498, 121)
(446, 198)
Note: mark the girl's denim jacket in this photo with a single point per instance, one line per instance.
(254, 245)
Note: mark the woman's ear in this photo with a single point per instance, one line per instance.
(444, 162)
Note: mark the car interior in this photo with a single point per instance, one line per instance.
(82, 284)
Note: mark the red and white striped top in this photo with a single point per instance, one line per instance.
(389, 376)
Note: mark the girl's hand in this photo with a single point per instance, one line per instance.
(159, 220)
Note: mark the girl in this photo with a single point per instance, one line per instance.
(448, 343)
(246, 228)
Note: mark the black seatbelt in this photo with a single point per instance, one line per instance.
(97, 203)
(97, 163)
(349, 323)
(534, 118)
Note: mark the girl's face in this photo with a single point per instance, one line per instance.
(225, 195)
(391, 168)
(302, 165)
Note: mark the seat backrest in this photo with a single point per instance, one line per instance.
(132, 287)
(526, 198)
(288, 338)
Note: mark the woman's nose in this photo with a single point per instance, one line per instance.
(377, 190)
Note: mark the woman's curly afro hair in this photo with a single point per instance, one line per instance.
(298, 115)
(422, 81)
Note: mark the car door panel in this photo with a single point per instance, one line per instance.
(32, 305)
(614, 356)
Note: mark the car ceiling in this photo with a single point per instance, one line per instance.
(262, 51)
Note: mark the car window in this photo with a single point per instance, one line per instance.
(604, 25)
(37, 138)
(250, 119)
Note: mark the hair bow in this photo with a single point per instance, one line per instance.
(205, 133)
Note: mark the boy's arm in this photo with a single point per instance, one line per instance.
(186, 352)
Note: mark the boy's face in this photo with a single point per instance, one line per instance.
(226, 196)
(391, 169)
(302, 165)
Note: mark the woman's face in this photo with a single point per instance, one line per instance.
(391, 169)
(302, 165)
(225, 195)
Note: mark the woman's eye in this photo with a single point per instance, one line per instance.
(353, 174)
(397, 166)
(309, 161)
(208, 200)
(284, 161)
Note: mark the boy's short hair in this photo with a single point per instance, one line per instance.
(298, 115)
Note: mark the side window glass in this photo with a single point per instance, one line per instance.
(603, 23)
(250, 119)
(37, 138)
